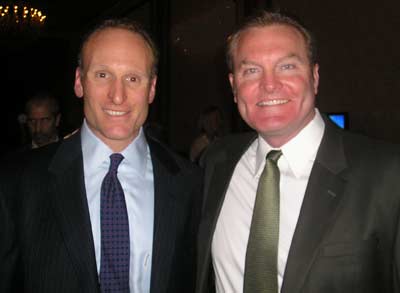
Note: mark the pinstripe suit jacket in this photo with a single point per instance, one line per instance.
(53, 230)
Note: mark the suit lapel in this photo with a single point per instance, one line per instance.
(72, 209)
(218, 175)
(168, 184)
(323, 194)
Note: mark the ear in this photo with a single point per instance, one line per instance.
(58, 118)
(316, 78)
(78, 88)
(152, 91)
(232, 82)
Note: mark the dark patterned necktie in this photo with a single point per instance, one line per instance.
(261, 269)
(114, 264)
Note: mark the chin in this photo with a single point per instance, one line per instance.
(123, 135)
(270, 124)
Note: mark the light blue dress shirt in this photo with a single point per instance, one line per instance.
(136, 176)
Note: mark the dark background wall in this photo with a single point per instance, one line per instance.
(358, 48)
(359, 60)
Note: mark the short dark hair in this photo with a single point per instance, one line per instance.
(43, 98)
(264, 19)
(126, 24)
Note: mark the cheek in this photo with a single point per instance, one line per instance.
(93, 89)
(247, 92)
(91, 109)
(47, 125)
(140, 97)
(246, 98)
(302, 93)
(242, 103)
(299, 85)
(94, 97)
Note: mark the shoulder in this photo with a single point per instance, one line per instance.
(163, 156)
(370, 160)
(362, 148)
(33, 164)
(228, 146)
(26, 170)
(21, 160)
(356, 147)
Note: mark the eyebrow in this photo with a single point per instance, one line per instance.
(289, 56)
(247, 62)
(292, 56)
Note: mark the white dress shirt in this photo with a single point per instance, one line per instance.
(136, 176)
(231, 235)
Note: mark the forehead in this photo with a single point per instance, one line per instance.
(39, 110)
(116, 45)
(267, 39)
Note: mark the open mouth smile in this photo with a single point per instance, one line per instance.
(115, 113)
(272, 103)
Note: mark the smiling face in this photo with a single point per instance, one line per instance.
(273, 82)
(117, 86)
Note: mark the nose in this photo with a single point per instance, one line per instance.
(271, 82)
(36, 126)
(117, 92)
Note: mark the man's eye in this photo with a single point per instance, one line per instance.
(250, 70)
(101, 74)
(133, 78)
(288, 66)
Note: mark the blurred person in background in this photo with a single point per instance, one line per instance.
(42, 119)
(210, 128)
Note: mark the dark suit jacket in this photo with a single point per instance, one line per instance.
(347, 234)
(53, 230)
(8, 249)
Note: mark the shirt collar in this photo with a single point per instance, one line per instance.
(298, 151)
(96, 153)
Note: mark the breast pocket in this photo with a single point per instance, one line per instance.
(351, 249)
(345, 267)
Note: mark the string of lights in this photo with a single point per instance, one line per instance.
(17, 17)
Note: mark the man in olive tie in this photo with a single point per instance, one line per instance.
(323, 215)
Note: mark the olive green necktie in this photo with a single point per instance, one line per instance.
(261, 269)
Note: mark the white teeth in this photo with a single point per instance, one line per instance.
(114, 113)
(272, 102)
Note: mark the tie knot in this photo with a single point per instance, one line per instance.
(274, 155)
(115, 160)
